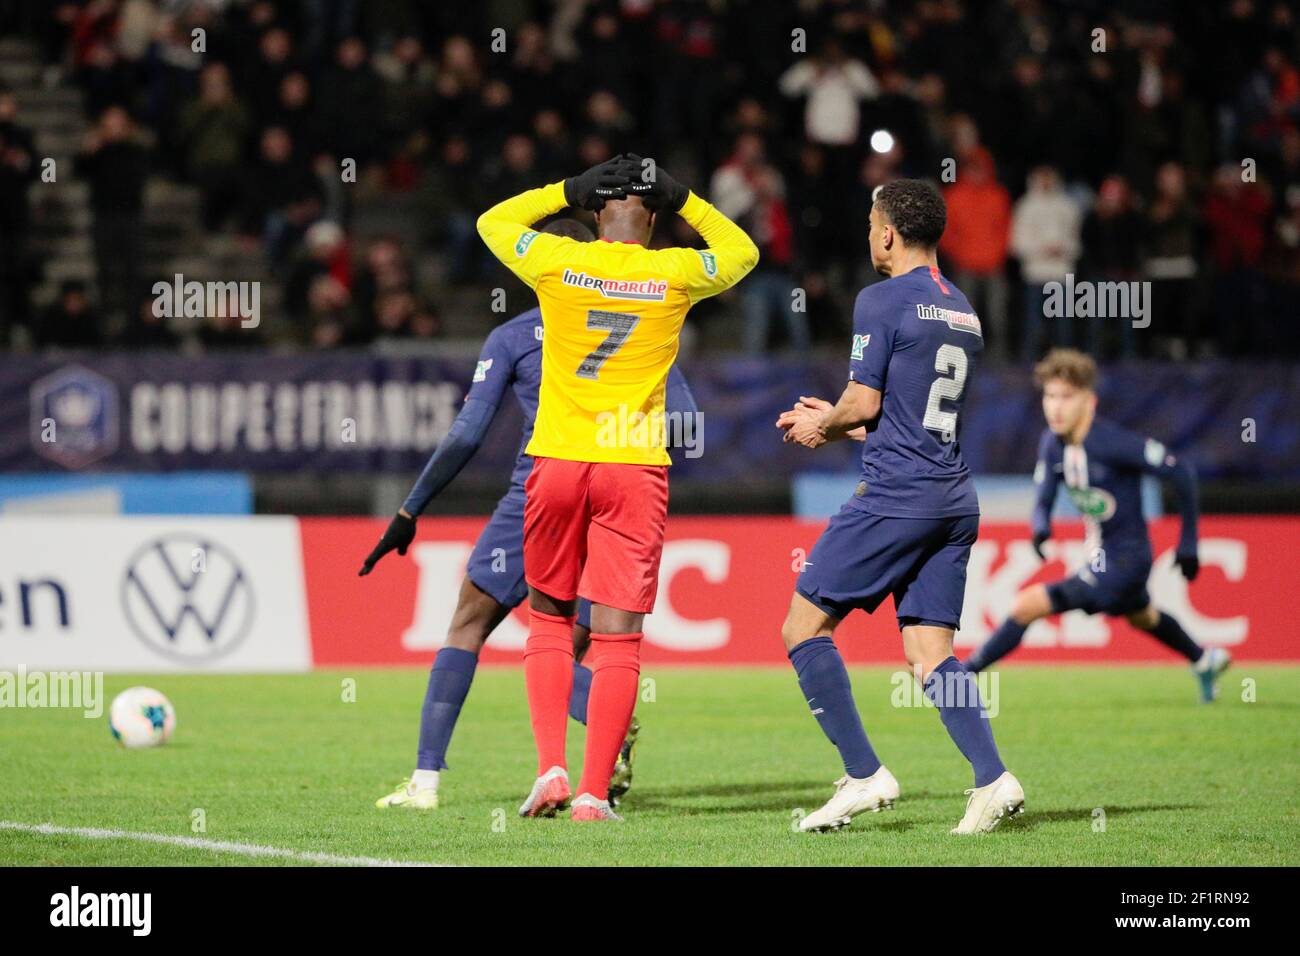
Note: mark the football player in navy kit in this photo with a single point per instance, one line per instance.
(1101, 465)
(908, 528)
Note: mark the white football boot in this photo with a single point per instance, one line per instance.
(853, 796)
(988, 806)
(1213, 662)
(550, 793)
(587, 808)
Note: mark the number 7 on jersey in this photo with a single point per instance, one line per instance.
(619, 325)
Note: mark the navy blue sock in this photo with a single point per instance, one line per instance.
(581, 689)
(826, 688)
(453, 671)
(953, 690)
(1170, 633)
(1001, 643)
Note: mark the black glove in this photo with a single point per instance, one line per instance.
(661, 192)
(602, 182)
(1039, 540)
(399, 534)
(1189, 564)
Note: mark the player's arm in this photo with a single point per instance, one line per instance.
(491, 378)
(507, 230)
(680, 408)
(812, 405)
(857, 409)
(1045, 485)
(1153, 458)
(1156, 460)
(731, 254)
(678, 397)
(452, 454)
(859, 406)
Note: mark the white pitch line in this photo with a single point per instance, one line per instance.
(214, 846)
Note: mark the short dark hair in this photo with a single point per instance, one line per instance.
(914, 208)
(569, 228)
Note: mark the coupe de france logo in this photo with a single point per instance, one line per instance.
(187, 597)
(860, 343)
(74, 416)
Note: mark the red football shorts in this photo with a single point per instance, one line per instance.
(595, 529)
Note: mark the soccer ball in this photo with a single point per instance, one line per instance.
(141, 717)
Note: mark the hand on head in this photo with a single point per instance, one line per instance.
(625, 176)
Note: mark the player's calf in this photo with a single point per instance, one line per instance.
(1029, 605)
(616, 669)
(825, 684)
(953, 690)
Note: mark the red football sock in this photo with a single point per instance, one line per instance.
(548, 674)
(615, 672)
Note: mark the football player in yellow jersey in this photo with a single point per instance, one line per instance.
(597, 498)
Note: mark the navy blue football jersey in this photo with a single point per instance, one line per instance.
(915, 339)
(1103, 477)
(511, 358)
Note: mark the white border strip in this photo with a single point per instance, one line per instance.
(214, 846)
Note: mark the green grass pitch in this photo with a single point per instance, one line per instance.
(726, 757)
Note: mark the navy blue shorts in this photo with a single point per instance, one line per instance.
(1120, 589)
(496, 565)
(860, 559)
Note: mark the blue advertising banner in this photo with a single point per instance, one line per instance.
(159, 412)
(1234, 420)
(175, 493)
(354, 411)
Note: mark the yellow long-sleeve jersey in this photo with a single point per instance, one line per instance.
(612, 314)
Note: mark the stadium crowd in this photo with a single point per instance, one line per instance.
(1081, 138)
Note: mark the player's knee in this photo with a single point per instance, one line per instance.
(923, 660)
(1144, 619)
(477, 615)
(1025, 608)
(581, 642)
(469, 636)
(793, 633)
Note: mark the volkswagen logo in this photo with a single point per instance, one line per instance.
(187, 598)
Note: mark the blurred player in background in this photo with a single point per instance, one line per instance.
(494, 576)
(909, 527)
(1102, 466)
(597, 497)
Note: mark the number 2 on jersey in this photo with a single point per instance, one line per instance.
(619, 325)
(949, 359)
